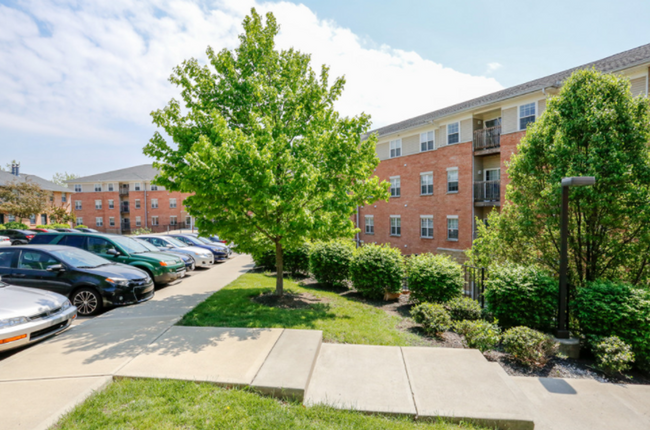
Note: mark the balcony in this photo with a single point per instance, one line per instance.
(124, 191)
(487, 193)
(487, 140)
(124, 209)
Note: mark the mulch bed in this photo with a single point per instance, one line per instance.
(288, 300)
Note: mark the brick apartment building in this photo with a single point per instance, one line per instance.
(448, 167)
(123, 200)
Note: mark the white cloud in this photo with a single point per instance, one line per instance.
(493, 67)
(95, 70)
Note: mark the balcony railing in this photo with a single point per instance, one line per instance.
(487, 191)
(124, 191)
(124, 209)
(487, 138)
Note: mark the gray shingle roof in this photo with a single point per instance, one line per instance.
(144, 172)
(620, 61)
(6, 177)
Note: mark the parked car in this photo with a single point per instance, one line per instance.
(42, 230)
(189, 262)
(220, 252)
(89, 281)
(70, 230)
(214, 238)
(162, 268)
(86, 230)
(4, 240)
(19, 237)
(28, 316)
(203, 257)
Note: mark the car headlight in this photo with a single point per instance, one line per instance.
(66, 305)
(10, 322)
(121, 282)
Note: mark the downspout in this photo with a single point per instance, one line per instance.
(146, 216)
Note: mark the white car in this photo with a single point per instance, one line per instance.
(202, 257)
(29, 315)
(5, 241)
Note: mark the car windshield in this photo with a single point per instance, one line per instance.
(129, 244)
(176, 242)
(79, 258)
(204, 240)
(147, 245)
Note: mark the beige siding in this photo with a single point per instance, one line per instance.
(441, 137)
(466, 130)
(509, 120)
(411, 144)
(87, 188)
(638, 86)
(491, 162)
(541, 106)
(383, 150)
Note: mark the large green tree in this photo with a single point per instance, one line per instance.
(593, 127)
(258, 141)
(22, 199)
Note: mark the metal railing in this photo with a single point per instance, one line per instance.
(487, 191)
(124, 191)
(487, 138)
(475, 283)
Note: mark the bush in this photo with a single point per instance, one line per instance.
(463, 308)
(58, 226)
(613, 356)
(15, 225)
(433, 317)
(608, 308)
(434, 278)
(522, 295)
(329, 262)
(81, 226)
(2, 227)
(139, 231)
(480, 335)
(529, 347)
(377, 269)
(295, 261)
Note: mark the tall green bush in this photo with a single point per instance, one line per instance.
(522, 296)
(608, 308)
(434, 278)
(329, 261)
(15, 225)
(377, 269)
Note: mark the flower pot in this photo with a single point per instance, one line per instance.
(391, 296)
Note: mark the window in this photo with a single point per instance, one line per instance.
(395, 186)
(11, 218)
(136, 186)
(77, 188)
(395, 225)
(154, 203)
(43, 219)
(97, 245)
(426, 183)
(73, 240)
(79, 221)
(111, 204)
(64, 197)
(526, 115)
(98, 187)
(110, 187)
(138, 221)
(6, 257)
(426, 226)
(111, 221)
(172, 203)
(154, 187)
(137, 203)
(370, 224)
(188, 221)
(99, 221)
(172, 220)
(426, 141)
(32, 219)
(452, 228)
(453, 133)
(154, 220)
(395, 148)
(98, 204)
(452, 180)
(77, 205)
(35, 260)
(51, 197)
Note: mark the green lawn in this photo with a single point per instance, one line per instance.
(341, 319)
(165, 404)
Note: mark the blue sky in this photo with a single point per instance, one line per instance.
(79, 79)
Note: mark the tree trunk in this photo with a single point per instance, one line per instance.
(279, 264)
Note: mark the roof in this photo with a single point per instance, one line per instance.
(7, 177)
(144, 172)
(620, 61)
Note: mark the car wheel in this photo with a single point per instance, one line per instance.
(87, 301)
(16, 242)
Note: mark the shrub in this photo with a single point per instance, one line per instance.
(433, 317)
(58, 226)
(529, 347)
(295, 261)
(329, 262)
(139, 231)
(81, 226)
(463, 308)
(522, 295)
(613, 356)
(480, 335)
(434, 278)
(376, 269)
(2, 227)
(16, 225)
(608, 308)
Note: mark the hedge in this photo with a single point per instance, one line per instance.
(330, 261)
(377, 269)
(434, 278)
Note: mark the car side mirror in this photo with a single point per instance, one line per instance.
(169, 246)
(56, 268)
(113, 252)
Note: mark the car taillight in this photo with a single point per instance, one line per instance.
(29, 236)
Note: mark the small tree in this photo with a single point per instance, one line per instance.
(22, 199)
(61, 178)
(60, 214)
(271, 162)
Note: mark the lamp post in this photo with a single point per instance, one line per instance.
(562, 331)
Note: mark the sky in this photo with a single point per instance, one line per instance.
(79, 79)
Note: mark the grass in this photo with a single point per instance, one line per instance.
(341, 319)
(164, 404)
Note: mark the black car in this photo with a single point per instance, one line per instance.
(91, 282)
(19, 237)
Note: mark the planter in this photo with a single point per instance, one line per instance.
(391, 296)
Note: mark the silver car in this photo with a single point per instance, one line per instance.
(202, 257)
(29, 315)
(5, 241)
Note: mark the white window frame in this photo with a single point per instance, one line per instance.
(449, 134)
(138, 221)
(154, 203)
(111, 221)
(79, 220)
(98, 188)
(153, 187)
(137, 204)
(99, 221)
(430, 144)
(32, 219)
(369, 224)
(457, 229)
(426, 218)
(137, 186)
(98, 204)
(174, 203)
(154, 220)
(396, 230)
(188, 220)
(111, 204)
(449, 170)
(64, 197)
(422, 185)
(111, 187)
(395, 148)
(77, 205)
(519, 117)
(395, 180)
(78, 188)
(11, 218)
(173, 220)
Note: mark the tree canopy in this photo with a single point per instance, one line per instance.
(258, 141)
(22, 199)
(61, 178)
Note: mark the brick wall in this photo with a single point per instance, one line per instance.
(509, 144)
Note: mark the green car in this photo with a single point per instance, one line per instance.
(162, 268)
